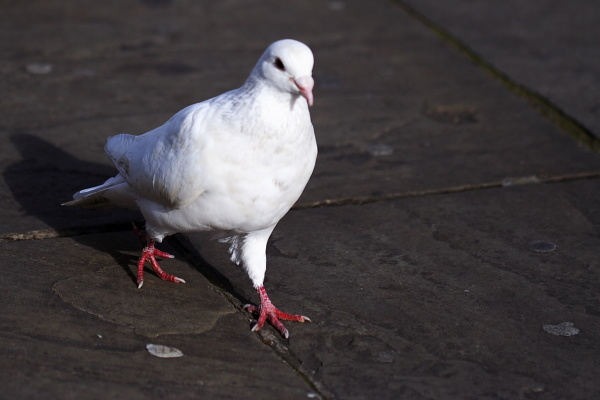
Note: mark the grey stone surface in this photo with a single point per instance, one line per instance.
(445, 296)
(548, 46)
(386, 81)
(440, 297)
(75, 326)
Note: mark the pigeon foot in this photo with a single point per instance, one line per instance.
(267, 311)
(149, 253)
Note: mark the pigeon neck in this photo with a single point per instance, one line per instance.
(256, 86)
(253, 82)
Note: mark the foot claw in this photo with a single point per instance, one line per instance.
(267, 311)
(149, 254)
(162, 254)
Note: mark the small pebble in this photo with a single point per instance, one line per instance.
(379, 150)
(562, 329)
(541, 246)
(39, 68)
(161, 351)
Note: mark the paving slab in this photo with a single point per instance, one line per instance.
(75, 326)
(397, 109)
(468, 295)
(547, 46)
(446, 296)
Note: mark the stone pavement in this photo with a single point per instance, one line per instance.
(550, 47)
(445, 248)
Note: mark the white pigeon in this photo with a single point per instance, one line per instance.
(234, 163)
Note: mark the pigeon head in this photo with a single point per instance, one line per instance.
(287, 65)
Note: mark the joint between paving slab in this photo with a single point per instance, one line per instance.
(228, 291)
(509, 181)
(64, 232)
(357, 200)
(545, 107)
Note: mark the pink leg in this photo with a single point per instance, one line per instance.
(148, 254)
(267, 311)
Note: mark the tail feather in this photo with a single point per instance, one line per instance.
(112, 193)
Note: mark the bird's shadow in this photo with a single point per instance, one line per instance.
(47, 176)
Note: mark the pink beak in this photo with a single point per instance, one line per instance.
(305, 85)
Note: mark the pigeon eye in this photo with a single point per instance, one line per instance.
(279, 64)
